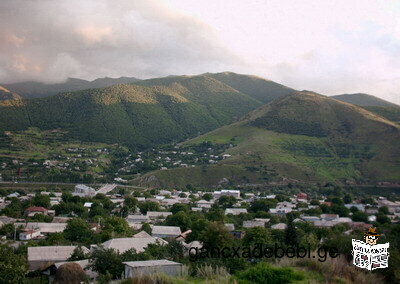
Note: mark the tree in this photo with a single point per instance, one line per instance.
(310, 240)
(148, 206)
(256, 236)
(117, 225)
(41, 200)
(226, 201)
(107, 261)
(347, 199)
(131, 203)
(216, 235)
(180, 219)
(359, 217)
(179, 207)
(382, 219)
(290, 231)
(146, 227)
(12, 266)
(383, 210)
(262, 205)
(70, 273)
(207, 196)
(77, 230)
(78, 254)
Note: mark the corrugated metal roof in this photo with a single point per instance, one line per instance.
(44, 227)
(51, 252)
(166, 230)
(146, 263)
(124, 244)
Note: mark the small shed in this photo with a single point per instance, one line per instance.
(148, 267)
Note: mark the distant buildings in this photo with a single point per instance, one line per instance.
(235, 211)
(84, 190)
(32, 211)
(227, 192)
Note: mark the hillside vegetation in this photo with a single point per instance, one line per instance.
(305, 137)
(133, 115)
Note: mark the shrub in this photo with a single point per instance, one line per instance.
(265, 273)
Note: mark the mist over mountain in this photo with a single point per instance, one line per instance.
(30, 90)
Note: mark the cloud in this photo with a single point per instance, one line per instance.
(331, 47)
(49, 41)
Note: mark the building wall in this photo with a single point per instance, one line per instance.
(172, 270)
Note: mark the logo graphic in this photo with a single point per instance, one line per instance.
(367, 254)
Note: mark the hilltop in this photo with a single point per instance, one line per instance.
(376, 105)
(361, 99)
(300, 137)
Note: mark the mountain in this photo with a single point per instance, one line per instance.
(134, 115)
(5, 94)
(364, 100)
(258, 88)
(376, 105)
(299, 137)
(30, 90)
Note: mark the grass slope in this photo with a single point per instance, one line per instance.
(258, 88)
(305, 137)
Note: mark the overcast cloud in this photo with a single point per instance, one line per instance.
(331, 47)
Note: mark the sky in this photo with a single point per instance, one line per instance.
(330, 47)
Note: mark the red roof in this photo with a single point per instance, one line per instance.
(36, 209)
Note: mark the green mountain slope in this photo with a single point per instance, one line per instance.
(363, 100)
(373, 104)
(137, 116)
(5, 94)
(258, 88)
(305, 137)
(30, 90)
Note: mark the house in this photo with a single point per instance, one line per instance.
(393, 207)
(148, 267)
(153, 215)
(84, 264)
(230, 226)
(227, 192)
(165, 231)
(280, 211)
(84, 190)
(301, 197)
(204, 204)
(183, 236)
(310, 219)
(235, 211)
(29, 234)
(252, 224)
(44, 228)
(142, 234)
(137, 219)
(279, 226)
(40, 256)
(123, 244)
(371, 211)
(360, 207)
(360, 225)
(32, 211)
(329, 217)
